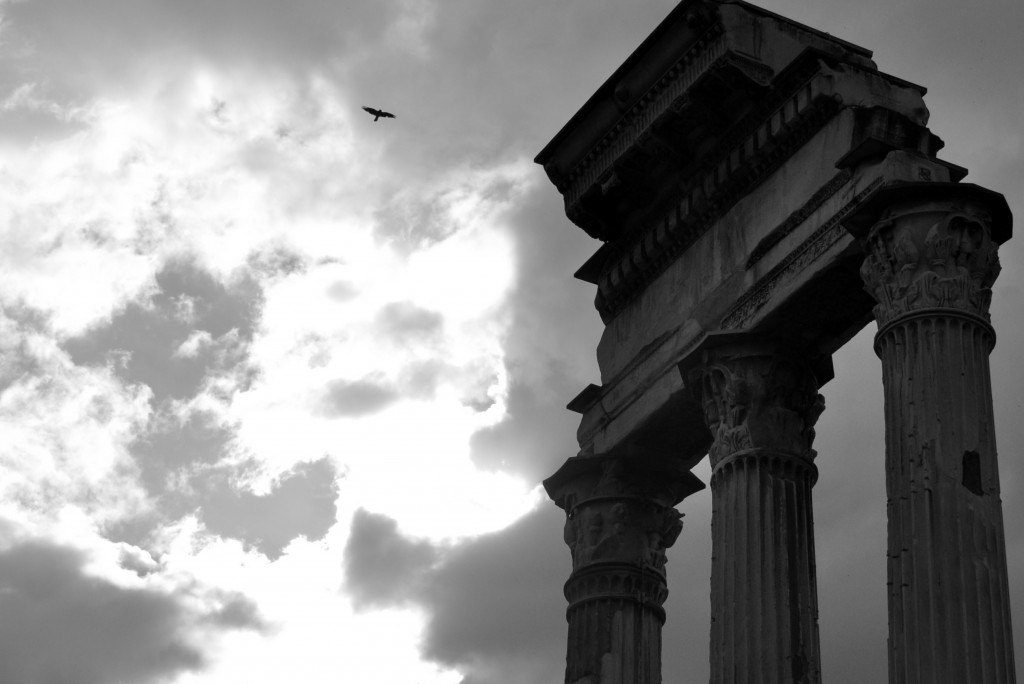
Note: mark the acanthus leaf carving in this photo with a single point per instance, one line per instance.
(760, 401)
(938, 256)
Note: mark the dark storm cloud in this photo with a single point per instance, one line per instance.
(496, 606)
(144, 340)
(551, 313)
(383, 568)
(535, 436)
(301, 503)
(494, 610)
(354, 398)
(406, 322)
(58, 624)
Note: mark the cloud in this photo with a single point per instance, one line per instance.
(412, 223)
(382, 567)
(420, 379)
(66, 427)
(494, 604)
(342, 291)
(404, 322)
(277, 260)
(536, 435)
(192, 463)
(301, 502)
(24, 115)
(550, 312)
(354, 398)
(112, 41)
(59, 624)
(174, 447)
(173, 338)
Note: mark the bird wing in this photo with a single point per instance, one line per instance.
(371, 110)
(387, 115)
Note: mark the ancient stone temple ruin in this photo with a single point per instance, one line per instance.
(762, 192)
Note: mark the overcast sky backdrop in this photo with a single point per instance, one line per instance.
(278, 383)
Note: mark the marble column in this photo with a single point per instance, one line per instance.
(930, 262)
(620, 518)
(761, 403)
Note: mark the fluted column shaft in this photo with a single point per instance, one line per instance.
(619, 521)
(930, 266)
(761, 406)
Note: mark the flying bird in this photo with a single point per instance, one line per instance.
(378, 113)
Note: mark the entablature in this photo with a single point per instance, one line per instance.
(717, 165)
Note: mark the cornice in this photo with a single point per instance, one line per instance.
(705, 53)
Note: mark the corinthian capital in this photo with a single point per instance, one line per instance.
(931, 246)
(936, 255)
(757, 394)
(621, 508)
(760, 401)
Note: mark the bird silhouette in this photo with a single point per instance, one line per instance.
(378, 113)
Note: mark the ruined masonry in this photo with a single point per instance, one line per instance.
(762, 192)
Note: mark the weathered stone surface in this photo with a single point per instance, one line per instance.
(717, 166)
(760, 187)
(934, 252)
(620, 518)
(931, 260)
(761, 402)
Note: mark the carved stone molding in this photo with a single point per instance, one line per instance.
(626, 516)
(620, 529)
(620, 519)
(779, 232)
(739, 166)
(615, 617)
(760, 400)
(609, 582)
(819, 242)
(705, 52)
(937, 254)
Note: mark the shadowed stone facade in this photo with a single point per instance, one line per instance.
(762, 192)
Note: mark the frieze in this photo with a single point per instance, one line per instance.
(819, 242)
(779, 232)
(937, 256)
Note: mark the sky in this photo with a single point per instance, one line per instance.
(278, 383)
